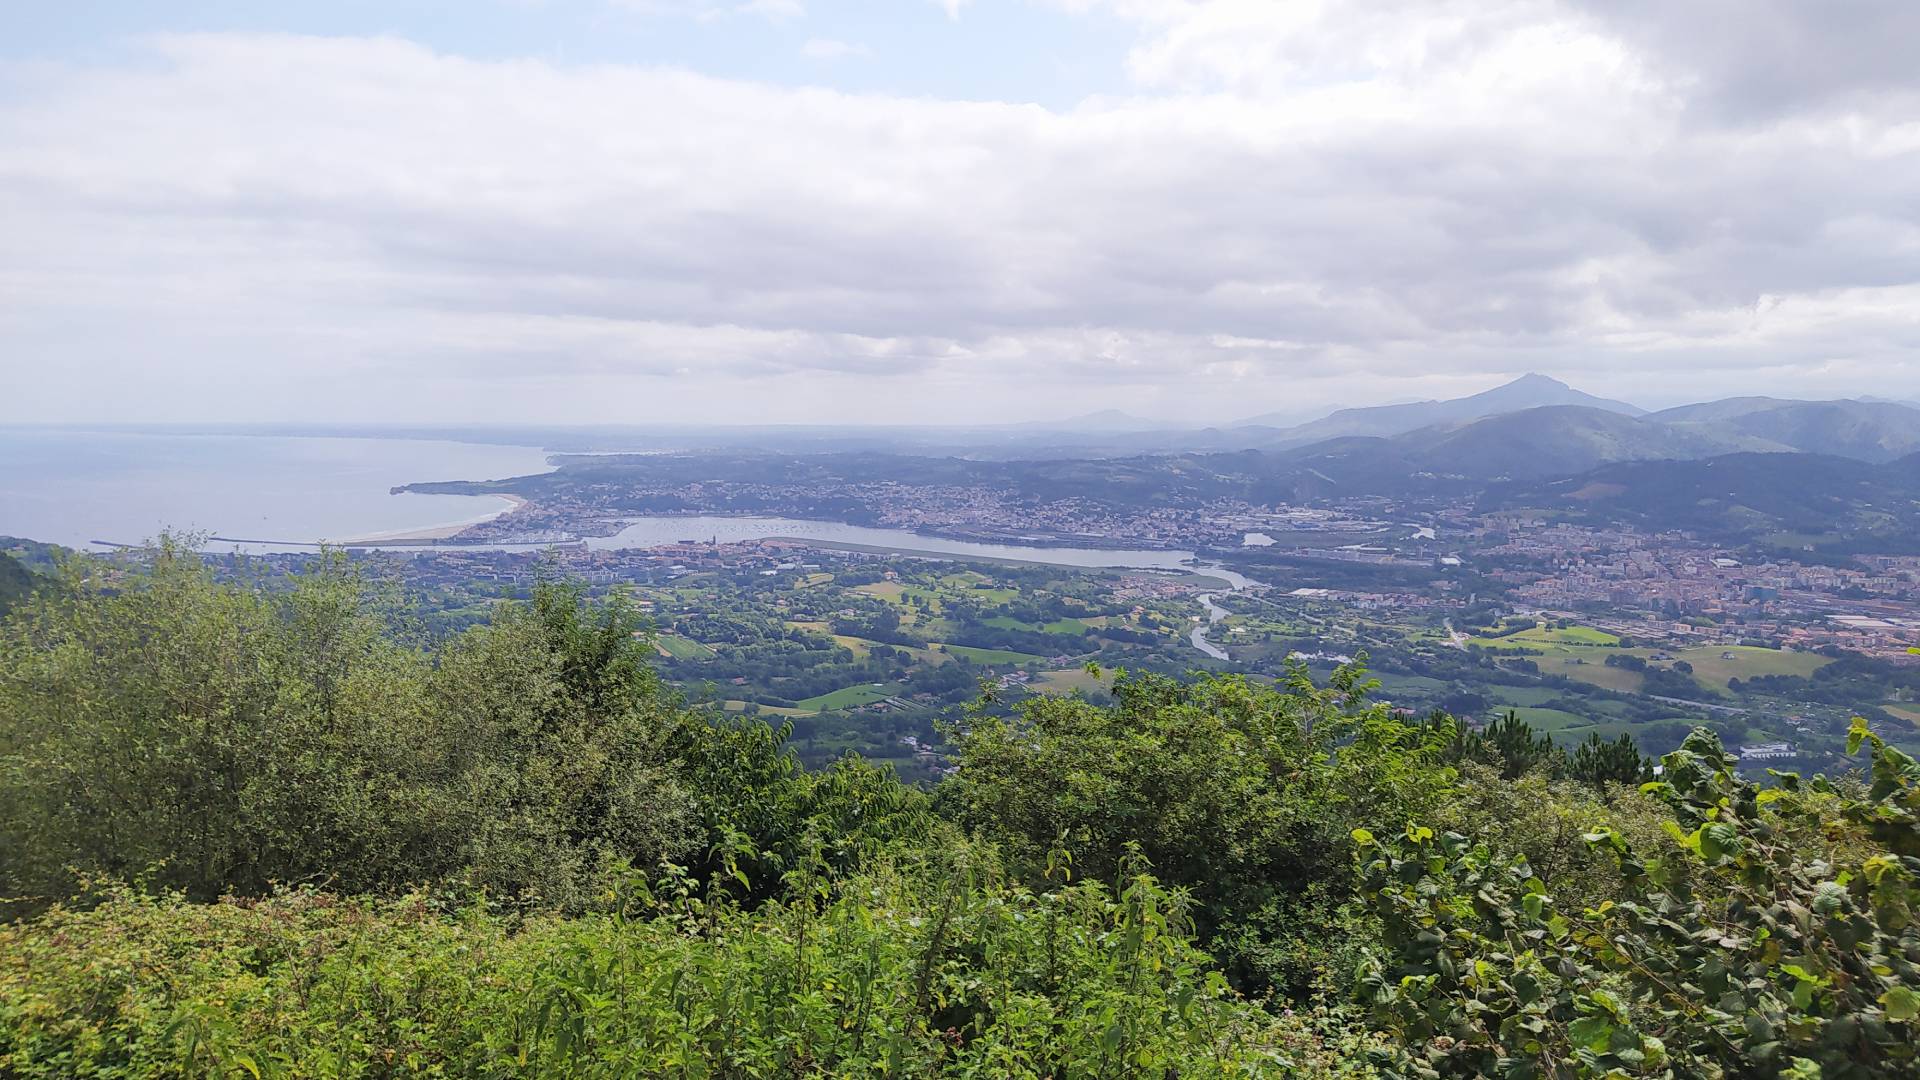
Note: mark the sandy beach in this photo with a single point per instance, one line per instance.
(442, 532)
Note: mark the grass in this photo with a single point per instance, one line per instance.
(1594, 674)
(890, 591)
(1073, 627)
(1523, 695)
(932, 657)
(680, 648)
(1544, 719)
(850, 697)
(1608, 729)
(860, 647)
(1545, 638)
(735, 705)
(1067, 680)
(989, 656)
(1401, 684)
(1711, 670)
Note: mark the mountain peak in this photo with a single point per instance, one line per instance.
(1535, 380)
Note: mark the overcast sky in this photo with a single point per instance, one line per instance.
(946, 210)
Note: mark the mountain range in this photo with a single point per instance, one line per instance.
(1745, 467)
(1531, 391)
(1800, 500)
(1569, 435)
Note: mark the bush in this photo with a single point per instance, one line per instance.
(931, 969)
(1775, 938)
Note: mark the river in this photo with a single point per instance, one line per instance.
(272, 493)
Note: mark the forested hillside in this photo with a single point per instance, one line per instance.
(271, 829)
(16, 581)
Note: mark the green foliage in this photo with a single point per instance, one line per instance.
(1599, 764)
(16, 582)
(262, 830)
(215, 739)
(1510, 745)
(1230, 789)
(765, 814)
(1774, 937)
(939, 968)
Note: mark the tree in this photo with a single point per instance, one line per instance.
(217, 738)
(1599, 764)
(1773, 937)
(1225, 787)
(1510, 745)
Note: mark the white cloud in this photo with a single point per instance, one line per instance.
(776, 10)
(833, 49)
(710, 10)
(1293, 205)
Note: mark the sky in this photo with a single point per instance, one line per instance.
(946, 211)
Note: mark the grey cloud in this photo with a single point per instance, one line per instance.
(407, 213)
(1757, 59)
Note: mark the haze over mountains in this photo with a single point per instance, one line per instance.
(1527, 392)
(1536, 426)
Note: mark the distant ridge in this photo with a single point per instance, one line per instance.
(1876, 431)
(1531, 391)
(1821, 499)
(1102, 421)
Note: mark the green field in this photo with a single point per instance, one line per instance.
(848, 697)
(1068, 680)
(1712, 669)
(735, 705)
(1594, 672)
(1523, 695)
(890, 591)
(1544, 719)
(1546, 638)
(681, 648)
(1400, 684)
(1609, 730)
(859, 647)
(989, 656)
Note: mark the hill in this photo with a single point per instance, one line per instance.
(1548, 442)
(1526, 392)
(560, 870)
(16, 581)
(1556, 441)
(1749, 495)
(1864, 430)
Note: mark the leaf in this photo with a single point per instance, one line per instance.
(1592, 1032)
(1901, 1003)
(1362, 837)
(247, 1063)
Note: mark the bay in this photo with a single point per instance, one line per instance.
(78, 487)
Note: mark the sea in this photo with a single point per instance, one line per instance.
(86, 489)
(95, 490)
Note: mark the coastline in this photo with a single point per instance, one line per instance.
(446, 531)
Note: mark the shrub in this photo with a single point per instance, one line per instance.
(1775, 939)
(941, 968)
